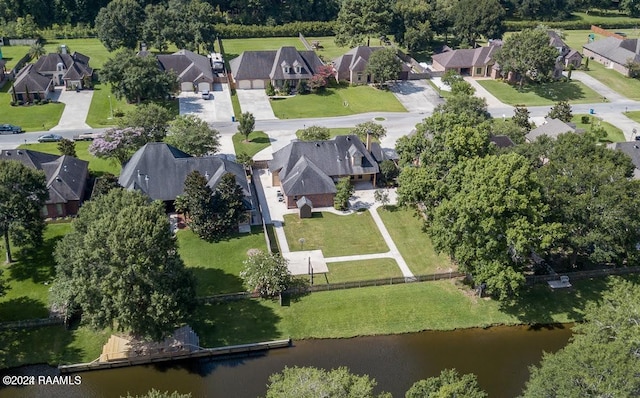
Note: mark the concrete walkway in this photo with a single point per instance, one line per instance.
(76, 109)
(598, 87)
(492, 102)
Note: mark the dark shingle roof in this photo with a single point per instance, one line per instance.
(265, 65)
(618, 51)
(29, 78)
(465, 58)
(632, 149)
(551, 128)
(76, 64)
(66, 176)
(501, 141)
(305, 178)
(159, 170)
(189, 66)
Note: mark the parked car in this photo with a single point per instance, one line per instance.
(49, 138)
(206, 94)
(88, 136)
(10, 128)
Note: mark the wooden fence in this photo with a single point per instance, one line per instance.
(577, 275)
(31, 323)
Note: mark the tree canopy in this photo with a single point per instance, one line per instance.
(360, 20)
(448, 384)
(384, 65)
(374, 130)
(473, 18)
(246, 123)
(193, 135)
(119, 265)
(152, 118)
(314, 133)
(266, 273)
(118, 144)
(119, 24)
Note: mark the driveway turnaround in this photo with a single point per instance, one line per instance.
(256, 102)
(416, 95)
(76, 108)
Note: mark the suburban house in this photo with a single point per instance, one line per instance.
(3, 71)
(552, 128)
(66, 179)
(632, 149)
(253, 69)
(614, 53)
(194, 70)
(30, 85)
(476, 62)
(311, 168)
(71, 71)
(350, 67)
(567, 55)
(159, 170)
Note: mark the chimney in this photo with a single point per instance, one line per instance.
(143, 47)
(63, 49)
(368, 141)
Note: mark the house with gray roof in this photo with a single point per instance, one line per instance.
(351, 66)
(194, 70)
(253, 69)
(3, 71)
(312, 168)
(552, 128)
(66, 179)
(71, 70)
(159, 170)
(632, 149)
(30, 85)
(613, 52)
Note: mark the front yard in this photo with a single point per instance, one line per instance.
(336, 235)
(541, 94)
(258, 140)
(614, 134)
(32, 117)
(337, 101)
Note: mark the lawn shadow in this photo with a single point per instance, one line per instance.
(21, 308)
(212, 281)
(49, 344)
(35, 263)
(260, 140)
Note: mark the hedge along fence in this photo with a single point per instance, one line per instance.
(292, 29)
(623, 23)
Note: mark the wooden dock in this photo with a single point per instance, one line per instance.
(176, 356)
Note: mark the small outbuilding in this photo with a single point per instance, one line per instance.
(305, 207)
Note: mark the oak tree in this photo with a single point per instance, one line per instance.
(193, 135)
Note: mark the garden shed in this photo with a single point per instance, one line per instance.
(305, 207)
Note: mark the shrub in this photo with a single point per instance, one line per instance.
(118, 112)
(585, 119)
(269, 89)
(308, 28)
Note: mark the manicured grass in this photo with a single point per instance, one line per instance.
(333, 131)
(29, 277)
(335, 235)
(103, 110)
(619, 83)
(31, 117)
(13, 54)
(90, 47)
(330, 50)
(351, 271)
(541, 94)
(217, 265)
(614, 134)
(415, 246)
(258, 140)
(235, 47)
(605, 18)
(235, 102)
(337, 101)
(635, 116)
(96, 165)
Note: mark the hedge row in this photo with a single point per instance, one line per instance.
(516, 26)
(310, 28)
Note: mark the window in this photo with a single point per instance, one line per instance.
(360, 177)
(359, 78)
(478, 71)
(59, 210)
(44, 211)
(287, 69)
(298, 69)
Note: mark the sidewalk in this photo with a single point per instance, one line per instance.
(492, 102)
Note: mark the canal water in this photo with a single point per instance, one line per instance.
(499, 356)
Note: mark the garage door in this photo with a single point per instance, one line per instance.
(258, 84)
(244, 84)
(186, 86)
(204, 86)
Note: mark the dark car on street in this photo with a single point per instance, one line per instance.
(10, 129)
(49, 138)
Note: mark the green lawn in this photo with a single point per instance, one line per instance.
(333, 131)
(330, 50)
(352, 271)
(235, 102)
(541, 94)
(235, 47)
(96, 165)
(30, 118)
(619, 83)
(415, 246)
(217, 265)
(13, 54)
(614, 134)
(335, 235)
(635, 116)
(337, 101)
(90, 47)
(104, 107)
(258, 140)
(29, 276)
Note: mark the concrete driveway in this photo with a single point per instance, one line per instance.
(416, 95)
(256, 102)
(217, 108)
(76, 108)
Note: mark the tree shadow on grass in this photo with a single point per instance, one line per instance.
(212, 281)
(35, 263)
(49, 344)
(260, 140)
(22, 308)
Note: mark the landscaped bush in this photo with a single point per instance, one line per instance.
(585, 119)
(269, 89)
(308, 28)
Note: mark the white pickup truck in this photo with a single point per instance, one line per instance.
(88, 136)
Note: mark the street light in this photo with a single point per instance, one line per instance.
(110, 108)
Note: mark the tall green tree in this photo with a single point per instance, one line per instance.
(448, 384)
(152, 118)
(119, 24)
(23, 193)
(473, 19)
(521, 118)
(360, 20)
(137, 78)
(119, 265)
(527, 54)
(310, 382)
(602, 358)
(193, 135)
(314, 133)
(67, 147)
(36, 51)
(374, 130)
(384, 65)
(246, 124)
(491, 217)
(344, 192)
(561, 110)
(266, 273)
(157, 26)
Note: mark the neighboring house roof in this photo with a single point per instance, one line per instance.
(66, 176)
(632, 149)
(501, 141)
(356, 60)
(381, 154)
(189, 66)
(573, 54)
(30, 79)
(76, 65)
(265, 65)
(3, 62)
(551, 128)
(556, 41)
(466, 58)
(159, 170)
(304, 201)
(616, 50)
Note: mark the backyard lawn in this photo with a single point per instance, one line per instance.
(29, 276)
(352, 271)
(415, 246)
(614, 134)
(90, 47)
(235, 47)
(330, 50)
(541, 94)
(217, 265)
(337, 101)
(96, 165)
(258, 140)
(335, 235)
(13, 54)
